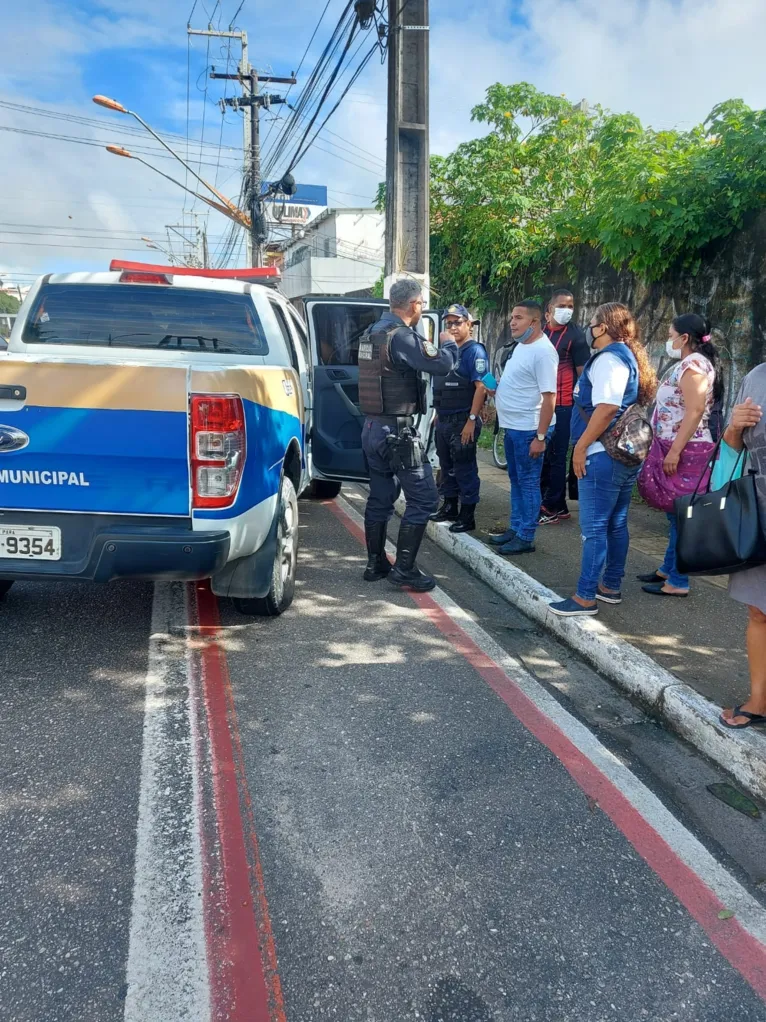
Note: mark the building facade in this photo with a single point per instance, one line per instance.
(340, 252)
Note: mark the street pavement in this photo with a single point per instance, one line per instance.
(416, 809)
(701, 639)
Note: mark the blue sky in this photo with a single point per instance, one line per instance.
(67, 205)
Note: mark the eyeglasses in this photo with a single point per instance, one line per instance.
(450, 324)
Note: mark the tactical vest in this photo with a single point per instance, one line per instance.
(453, 392)
(386, 388)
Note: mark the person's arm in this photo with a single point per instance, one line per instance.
(546, 373)
(479, 397)
(743, 416)
(694, 387)
(547, 411)
(598, 422)
(425, 356)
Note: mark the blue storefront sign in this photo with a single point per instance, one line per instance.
(307, 195)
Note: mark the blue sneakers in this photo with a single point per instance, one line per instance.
(571, 608)
(504, 537)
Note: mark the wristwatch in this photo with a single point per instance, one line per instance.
(472, 417)
(541, 438)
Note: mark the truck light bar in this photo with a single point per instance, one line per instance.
(253, 275)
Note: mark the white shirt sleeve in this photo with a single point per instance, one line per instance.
(547, 369)
(609, 377)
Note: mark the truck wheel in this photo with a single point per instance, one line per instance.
(4, 587)
(282, 590)
(324, 489)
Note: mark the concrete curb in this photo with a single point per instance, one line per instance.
(742, 753)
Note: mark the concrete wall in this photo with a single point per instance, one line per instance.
(730, 288)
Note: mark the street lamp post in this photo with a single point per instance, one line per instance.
(286, 186)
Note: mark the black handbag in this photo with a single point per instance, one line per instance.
(719, 531)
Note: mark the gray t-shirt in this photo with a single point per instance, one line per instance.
(750, 586)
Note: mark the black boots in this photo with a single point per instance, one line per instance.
(466, 521)
(378, 565)
(448, 512)
(404, 574)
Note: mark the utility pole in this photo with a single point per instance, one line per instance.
(255, 100)
(407, 156)
(249, 80)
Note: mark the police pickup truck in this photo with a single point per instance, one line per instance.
(161, 424)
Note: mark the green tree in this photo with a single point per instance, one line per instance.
(8, 303)
(551, 175)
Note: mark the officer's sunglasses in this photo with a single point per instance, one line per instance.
(450, 324)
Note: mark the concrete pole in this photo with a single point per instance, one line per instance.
(255, 172)
(407, 156)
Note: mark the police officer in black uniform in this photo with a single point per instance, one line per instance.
(392, 391)
(458, 400)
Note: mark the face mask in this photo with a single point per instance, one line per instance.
(590, 339)
(525, 336)
(670, 351)
(563, 316)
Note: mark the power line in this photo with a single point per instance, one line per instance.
(303, 58)
(142, 150)
(302, 151)
(306, 99)
(98, 122)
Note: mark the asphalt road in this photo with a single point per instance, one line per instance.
(421, 810)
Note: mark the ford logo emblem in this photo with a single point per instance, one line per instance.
(12, 439)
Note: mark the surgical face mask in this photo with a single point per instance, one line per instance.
(525, 336)
(563, 316)
(670, 351)
(590, 339)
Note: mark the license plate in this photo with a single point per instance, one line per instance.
(30, 542)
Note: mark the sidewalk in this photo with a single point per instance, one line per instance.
(701, 640)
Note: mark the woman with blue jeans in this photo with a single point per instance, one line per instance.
(617, 376)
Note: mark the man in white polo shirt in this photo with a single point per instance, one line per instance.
(526, 409)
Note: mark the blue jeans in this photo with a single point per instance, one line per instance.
(605, 494)
(524, 473)
(669, 567)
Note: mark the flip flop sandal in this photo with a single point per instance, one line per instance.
(752, 718)
(657, 590)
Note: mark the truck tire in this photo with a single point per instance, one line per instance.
(324, 489)
(282, 589)
(5, 585)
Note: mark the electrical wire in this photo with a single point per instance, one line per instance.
(307, 145)
(98, 122)
(316, 79)
(300, 65)
(236, 15)
(81, 140)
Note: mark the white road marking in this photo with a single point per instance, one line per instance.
(167, 972)
(749, 912)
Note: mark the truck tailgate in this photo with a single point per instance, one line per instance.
(77, 436)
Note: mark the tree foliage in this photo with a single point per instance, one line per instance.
(8, 303)
(551, 175)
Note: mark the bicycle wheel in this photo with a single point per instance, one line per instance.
(498, 450)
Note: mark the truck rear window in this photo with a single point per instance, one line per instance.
(146, 316)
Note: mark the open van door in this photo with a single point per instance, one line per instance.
(335, 328)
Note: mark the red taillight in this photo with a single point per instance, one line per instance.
(217, 441)
(130, 277)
